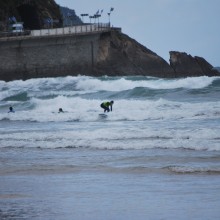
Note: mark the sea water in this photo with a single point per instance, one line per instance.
(155, 156)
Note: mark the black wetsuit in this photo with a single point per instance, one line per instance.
(106, 105)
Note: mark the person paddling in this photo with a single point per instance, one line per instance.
(11, 110)
(107, 106)
(60, 110)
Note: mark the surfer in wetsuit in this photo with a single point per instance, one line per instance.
(11, 110)
(107, 106)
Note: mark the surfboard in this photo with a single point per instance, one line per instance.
(102, 115)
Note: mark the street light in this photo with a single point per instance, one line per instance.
(92, 17)
(97, 16)
(84, 15)
(109, 14)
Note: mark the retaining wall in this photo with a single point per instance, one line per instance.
(32, 57)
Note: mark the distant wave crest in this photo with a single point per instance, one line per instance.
(194, 170)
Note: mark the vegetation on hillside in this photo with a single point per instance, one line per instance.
(34, 13)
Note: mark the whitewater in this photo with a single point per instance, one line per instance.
(155, 156)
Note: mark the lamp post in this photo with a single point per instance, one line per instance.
(90, 17)
(84, 15)
(97, 16)
(109, 15)
(109, 18)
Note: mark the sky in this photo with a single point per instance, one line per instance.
(191, 26)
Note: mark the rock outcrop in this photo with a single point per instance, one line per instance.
(69, 17)
(121, 55)
(217, 68)
(185, 65)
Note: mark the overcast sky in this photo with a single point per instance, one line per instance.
(191, 26)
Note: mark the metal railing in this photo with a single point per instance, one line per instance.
(14, 34)
(79, 29)
(70, 30)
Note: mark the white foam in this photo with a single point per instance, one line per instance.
(85, 83)
(121, 84)
(134, 110)
(112, 136)
(133, 124)
(191, 170)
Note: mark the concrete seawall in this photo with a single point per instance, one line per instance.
(33, 57)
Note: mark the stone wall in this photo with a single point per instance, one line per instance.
(47, 56)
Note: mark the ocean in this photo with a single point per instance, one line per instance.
(156, 156)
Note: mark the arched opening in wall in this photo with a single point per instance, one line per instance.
(29, 16)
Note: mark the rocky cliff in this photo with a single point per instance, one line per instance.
(121, 55)
(185, 65)
(69, 17)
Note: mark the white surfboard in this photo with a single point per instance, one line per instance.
(103, 115)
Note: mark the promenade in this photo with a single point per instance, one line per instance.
(70, 30)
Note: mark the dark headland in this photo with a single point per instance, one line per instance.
(87, 49)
